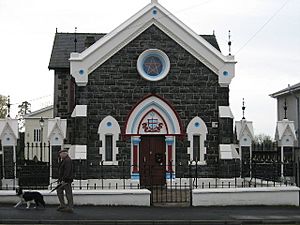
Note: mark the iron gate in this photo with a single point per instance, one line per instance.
(170, 194)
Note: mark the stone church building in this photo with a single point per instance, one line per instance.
(152, 95)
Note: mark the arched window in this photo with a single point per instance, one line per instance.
(109, 131)
(197, 131)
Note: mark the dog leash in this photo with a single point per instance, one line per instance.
(58, 186)
(53, 182)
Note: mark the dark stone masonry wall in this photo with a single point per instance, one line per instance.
(64, 99)
(225, 130)
(115, 87)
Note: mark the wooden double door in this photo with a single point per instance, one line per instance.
(152, 158)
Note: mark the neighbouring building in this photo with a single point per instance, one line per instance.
(36, 127)
(288, 106)
(150, 94)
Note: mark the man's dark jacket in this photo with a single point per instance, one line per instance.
(65, 170)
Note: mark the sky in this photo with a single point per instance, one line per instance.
(265, 37)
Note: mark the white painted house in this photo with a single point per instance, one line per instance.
(36, 128)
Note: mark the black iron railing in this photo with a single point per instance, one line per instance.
(36, 175)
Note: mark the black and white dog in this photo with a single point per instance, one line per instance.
(28, 197)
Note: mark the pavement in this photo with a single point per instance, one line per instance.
(121, 215)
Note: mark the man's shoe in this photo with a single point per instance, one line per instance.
(67, 209)
(60, 208)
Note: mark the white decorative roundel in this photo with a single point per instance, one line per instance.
(153, 64)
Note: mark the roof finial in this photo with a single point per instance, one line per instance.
(154, 1)
(229, 42)
(214, 32)
(8, 106)
(285, 108)
(75, 39)
(243, 108)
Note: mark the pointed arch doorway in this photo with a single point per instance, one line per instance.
(153, 125)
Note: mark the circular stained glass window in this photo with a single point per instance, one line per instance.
(153, 64)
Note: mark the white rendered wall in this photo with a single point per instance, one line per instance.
(127, 197)
(246, 196)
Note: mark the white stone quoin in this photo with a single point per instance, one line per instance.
(228, 151)
(79, 111)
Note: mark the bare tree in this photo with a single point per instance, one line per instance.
(263, 139)
(263, 142)
(24, 108)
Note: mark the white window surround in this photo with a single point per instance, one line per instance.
(164, 59)
(109, 126)
(197, 127)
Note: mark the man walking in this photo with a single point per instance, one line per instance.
(65, 179)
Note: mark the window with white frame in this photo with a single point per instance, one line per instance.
(109, 131)
(197, 131)
(37, 135)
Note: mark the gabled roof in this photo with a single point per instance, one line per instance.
(285, 91)
(38, 112)
(82, 64)
(64, 44)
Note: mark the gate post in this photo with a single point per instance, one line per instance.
(9, 134)
(57, 128)
(286, 139)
